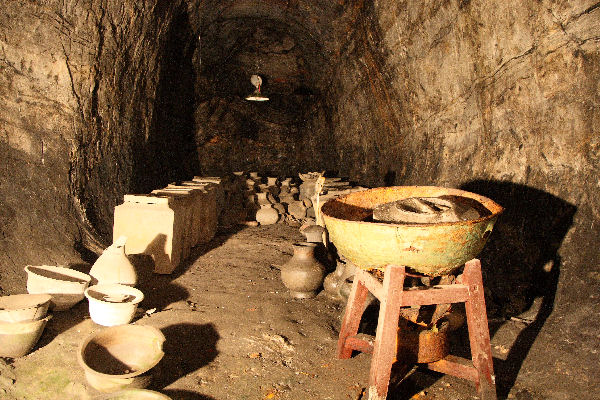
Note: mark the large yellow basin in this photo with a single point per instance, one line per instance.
(432, 249)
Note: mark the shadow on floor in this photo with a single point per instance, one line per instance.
(188, 347)
(159, 290)
(185, 395)
(521, 263)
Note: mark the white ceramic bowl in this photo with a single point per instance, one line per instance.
(65, 285)
(24, 307)
(113, 304)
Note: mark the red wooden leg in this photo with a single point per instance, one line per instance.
(385, 347)
(352, 316)
(479, 334)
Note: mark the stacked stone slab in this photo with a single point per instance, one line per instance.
(167, 223)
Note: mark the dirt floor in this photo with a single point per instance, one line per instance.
(233, 332)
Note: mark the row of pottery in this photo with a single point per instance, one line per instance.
(119, 358)
(268, 202)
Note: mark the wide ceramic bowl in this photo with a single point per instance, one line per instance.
(24, 307)
(136, 394)
(432, 249)
(65, 285)
(121, 357)
(113, 304)
(18, 338)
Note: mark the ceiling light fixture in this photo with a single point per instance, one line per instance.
(256, 95)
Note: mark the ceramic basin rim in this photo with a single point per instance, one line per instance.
(494, 213)
(160, 338)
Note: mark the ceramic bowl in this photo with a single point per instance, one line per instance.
(113, 304)
(121, 357)
(24, 307)
(18, 338)
(65, 285)
(136, 394)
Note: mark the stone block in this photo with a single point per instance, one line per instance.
(154, 225)
(186, 202)
(208, 217)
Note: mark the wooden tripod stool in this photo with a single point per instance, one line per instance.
(467, 288)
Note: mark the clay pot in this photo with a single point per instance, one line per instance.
(267, 215)
(313, 233)
(297, 209)
(303, 274)
(24, 307)
(121, 357)
(286, 198)
(18, 338)
(286, 182)
(279, 207)
(271, 181)
(113, 304)
(421, 345)
(65, 285)
(331, 284)
(262, 198)
(250, 184)
(254, 176)
(113, 266)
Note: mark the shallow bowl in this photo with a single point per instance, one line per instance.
(65, 285)
(18, 338)
(24, 307)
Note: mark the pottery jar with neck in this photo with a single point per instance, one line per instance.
(303, 274)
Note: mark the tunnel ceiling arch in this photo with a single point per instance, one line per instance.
(289, 43)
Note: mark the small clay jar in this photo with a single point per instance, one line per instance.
(303, 274)
(332, 281)
(297, 209)
(279, 207)
(267, 215)
(262, 198)
(313, 233)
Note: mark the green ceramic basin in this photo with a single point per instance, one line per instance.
(432, 249)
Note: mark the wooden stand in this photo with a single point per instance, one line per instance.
(468, 289)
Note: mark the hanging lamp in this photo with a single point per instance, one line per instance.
(256, 95)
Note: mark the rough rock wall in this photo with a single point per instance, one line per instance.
(500, 98)
(78, 82)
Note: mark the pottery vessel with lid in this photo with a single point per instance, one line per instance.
(113, 266)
